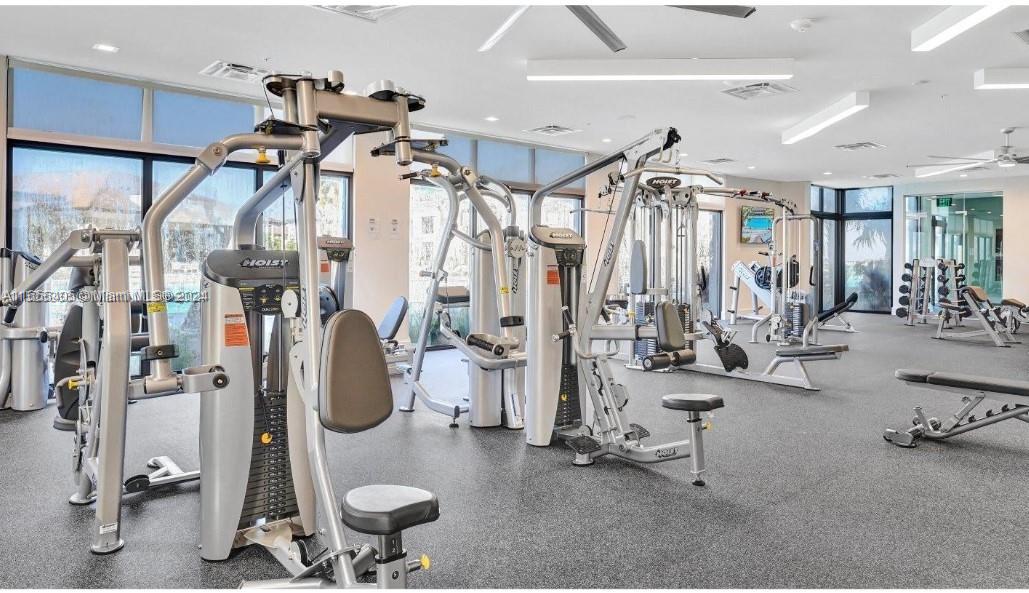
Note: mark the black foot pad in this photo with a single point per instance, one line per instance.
(583, 444)
(641, 433)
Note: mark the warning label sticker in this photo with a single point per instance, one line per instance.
(108, 528)
(553, 277)
(156, 307)
(325, 267)
(236, 333)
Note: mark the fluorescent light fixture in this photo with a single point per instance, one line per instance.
(106, 47)
(502, 30)
(1006, 163)
(961, 212)
(834, 113)
(989, 79)
(492, 118)
(751, 167)
(827, 173)
(605, 140)
(933, 171)
(660, 69)
(950, 23)
(963, 175)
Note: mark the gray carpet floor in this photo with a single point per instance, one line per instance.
(802, 490)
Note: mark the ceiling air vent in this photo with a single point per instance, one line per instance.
(861, 146)
(1023, 35)
(238, 72)
(882, 176)
(552, 130)
(361, 11)
(719, 161)
(758, 90)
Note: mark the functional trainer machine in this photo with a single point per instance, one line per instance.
(265, 473)
(563, 315)
(494, 346)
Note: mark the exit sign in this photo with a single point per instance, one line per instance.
(943, 202)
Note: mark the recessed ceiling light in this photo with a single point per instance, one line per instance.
(963, 175)
(827, 173)
(751, 167)
(492, 118)
(605, 140)
(106, 47)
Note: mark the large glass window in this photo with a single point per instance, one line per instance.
(867, 250)
(828, 263)
(279, 230)
(505, 161)
(552, 164)
(75, 105)
(192, 120)
(557, 211)
(709, 258)
(201, 224)
(868, 199)
(55, 192)
(459, 148)
(429, 210)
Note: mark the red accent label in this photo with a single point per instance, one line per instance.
(236, 333)
(553, 277)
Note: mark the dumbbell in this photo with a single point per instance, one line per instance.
(901, 312)
(960, 278)
(904, 289)
(943, 291)
(906, 277)
(908, 266)
(942, 278)
(959, 266)
(904, 300)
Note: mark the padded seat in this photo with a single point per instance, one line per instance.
(839, 307)
(692, 402)
(383, 509)
(812, 350)
(963, 381)
(1013, 303)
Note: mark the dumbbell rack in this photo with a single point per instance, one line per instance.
(950, 279)
(916, 290)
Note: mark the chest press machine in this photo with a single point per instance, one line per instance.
(265, 475)
(567, 381)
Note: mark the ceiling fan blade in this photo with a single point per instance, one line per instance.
(957, 158)
(599, 27)
(503, 28)
(942, 164)
(740, 12)
(1022, 160)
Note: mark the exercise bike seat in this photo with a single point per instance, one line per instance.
(963, 381)
(383, 509)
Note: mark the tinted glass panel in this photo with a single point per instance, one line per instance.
(55, 192)
(552, 164)
(201, 224)
(816, 198)
(459, 148)
(75, 105)
(867, 257)
(192, 120)
(869, 199)
(504, 161)
(333, 202)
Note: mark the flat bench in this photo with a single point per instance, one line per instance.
(963, 381)
(811, 350)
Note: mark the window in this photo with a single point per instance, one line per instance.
(504, 161)
(193, 120)
(558, 211)
(709, 258)
(552, 164)
(816, 198)
(54, 192)
(869, 199)
(867, 249)
(823, 199)
(459, 148)
(429, 211)
(203, 223)
(75, 105)
(279, 229)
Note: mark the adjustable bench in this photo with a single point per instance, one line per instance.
(823, 318)
(1012, 394)
(973, 302)
(1013, 313)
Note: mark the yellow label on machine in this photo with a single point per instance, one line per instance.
(505, 290)
(156, 307)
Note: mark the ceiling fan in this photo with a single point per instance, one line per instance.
(599, 28)
(1003, 156)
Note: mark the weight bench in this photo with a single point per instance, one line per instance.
(823, 318)
(973, 302)
(1013, 313)
(389, 327)
(1012, 394)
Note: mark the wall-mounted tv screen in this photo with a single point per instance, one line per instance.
(756, 225)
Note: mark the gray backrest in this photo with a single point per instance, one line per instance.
(354, 393)
(390, 324)
(638, 268)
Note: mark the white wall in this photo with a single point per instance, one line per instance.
(1016, 221)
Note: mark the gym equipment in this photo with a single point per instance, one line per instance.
(262, 439)
(1013, 313)
(973, 303)
(24, 368)
(338, 294)
(789, 308)
(103, 382)
(1013, 395)
(493, 346)
(563, 366)
(925, 286)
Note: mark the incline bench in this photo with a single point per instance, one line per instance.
(1012, 394)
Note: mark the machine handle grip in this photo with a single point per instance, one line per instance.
(9, 315)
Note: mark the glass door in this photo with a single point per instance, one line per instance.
(825, 263)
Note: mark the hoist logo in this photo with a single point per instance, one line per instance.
(263, 263)
(660, 182)
(666, 453)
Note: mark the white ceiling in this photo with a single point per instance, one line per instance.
(432, 50)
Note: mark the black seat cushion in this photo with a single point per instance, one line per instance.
(692, 402)
(963, 381)
(383, 509)
(811, 350)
